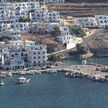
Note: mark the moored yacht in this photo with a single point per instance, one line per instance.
(22, 80)
(9, 74)
(1, 82)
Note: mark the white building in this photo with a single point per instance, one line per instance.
(22, 54)
(23, 27)
(21, 13)
(102, 20)
(12, 34)
(2, 0)
(26, 5)
(37, 54)
(43, 15)
(53, 24)
(87, 22)
(55, 1)
(66, 38)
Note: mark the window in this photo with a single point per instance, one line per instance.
(38, 57)
(34, 53)
(34, 57)
(101, 21)
(43, 56)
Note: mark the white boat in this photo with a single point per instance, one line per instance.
(84, 62)
(2, 76)
(30, 73)
(38, 72)
(9, 74)
(52, 72)
(22, 80)
(2, 83)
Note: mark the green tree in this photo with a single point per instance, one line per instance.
(41, 3)
(56, 31)
(54, 58)
(77, 31)
(81, 49)
(21, 19)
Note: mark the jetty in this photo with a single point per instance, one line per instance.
(91, 71)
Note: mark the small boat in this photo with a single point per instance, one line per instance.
(9, 74)
(2, 76)
(30, 73)
(2, 83)
(84, 62)
(52, 72)
(99, 78)
(22, 80)
(38, 72)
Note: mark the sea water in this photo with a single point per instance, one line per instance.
(53, 91)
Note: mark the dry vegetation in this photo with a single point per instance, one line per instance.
(99, 44)
(80, 9)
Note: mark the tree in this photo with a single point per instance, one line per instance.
(21, 19)
(41, 3)
(77, 31)
(54, 58)
(56, 31)
(81, 49)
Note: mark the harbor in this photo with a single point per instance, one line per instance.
(59, 89)
(90, 71)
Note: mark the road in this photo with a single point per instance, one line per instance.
(85, 41)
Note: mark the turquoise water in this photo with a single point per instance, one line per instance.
(53, 91)
(103, 61)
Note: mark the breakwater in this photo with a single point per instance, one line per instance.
(92, 71)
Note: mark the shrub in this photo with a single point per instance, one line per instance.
(81, 49)
(77, 31)
(54, 58)
(56, 31)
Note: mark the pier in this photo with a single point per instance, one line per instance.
(91, 71)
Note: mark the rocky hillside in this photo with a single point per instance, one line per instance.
(99, 44)
(80, 9)
(91, 1)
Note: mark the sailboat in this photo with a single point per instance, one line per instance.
(1, 82)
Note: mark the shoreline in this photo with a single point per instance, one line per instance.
(92, 71)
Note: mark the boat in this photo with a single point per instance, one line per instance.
(9, 74)
(30, 73)
(84, 62)
(99, 78)
(22, 80)
(38, 72)
(2, 83)
(2, 76)
(52, 72)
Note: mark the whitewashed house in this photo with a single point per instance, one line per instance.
(23, 27)
(3, 27)
(53, 24)
(65, 37)
(102, 21)
(2, 1)
(26, 5)
(12, 34)
(55, 1)
(21, 13)
(43, 15)
(37, 54)
(22, 54)
(87, 22)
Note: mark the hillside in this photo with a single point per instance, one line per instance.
(80, 9)
(99, 44)
(91, 1)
